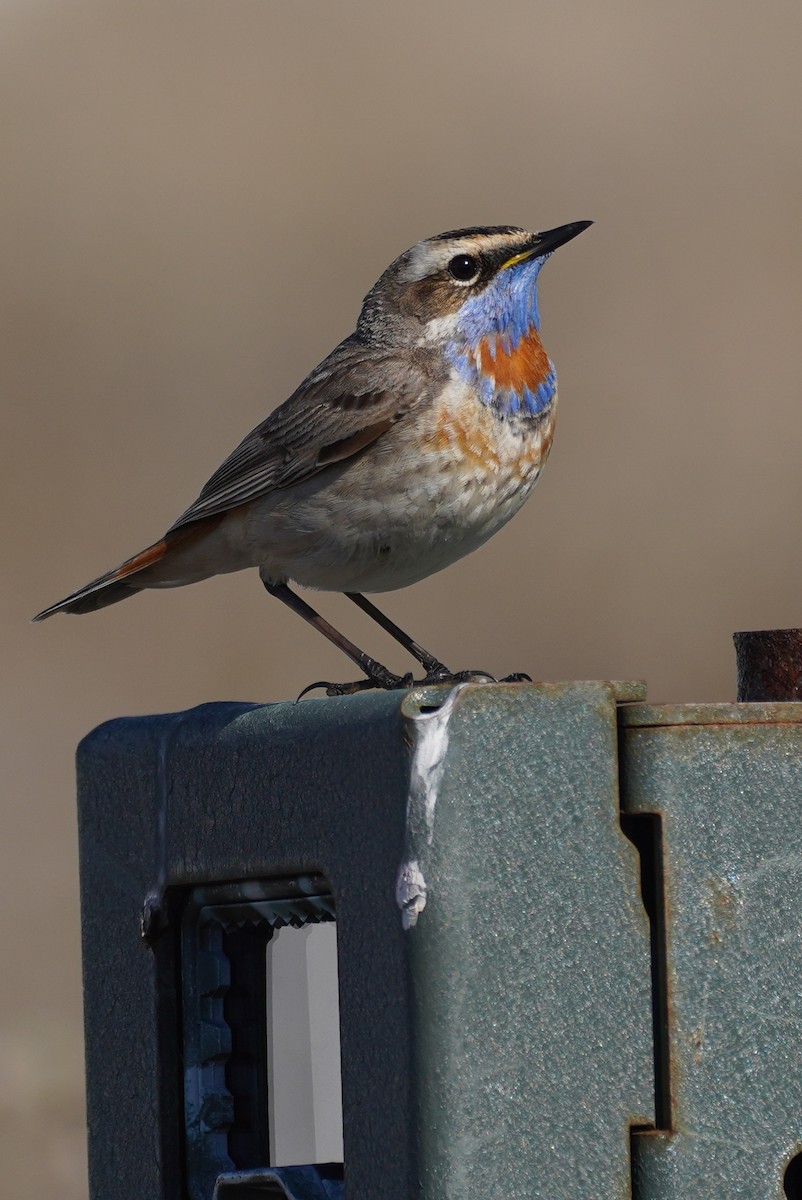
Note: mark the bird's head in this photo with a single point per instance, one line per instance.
(472, 294)
(464, 284)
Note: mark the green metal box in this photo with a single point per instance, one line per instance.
(529, 1008)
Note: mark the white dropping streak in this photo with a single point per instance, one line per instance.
(428, 764)
(410, 893)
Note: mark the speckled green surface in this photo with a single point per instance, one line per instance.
(727, 781)
(531, 956)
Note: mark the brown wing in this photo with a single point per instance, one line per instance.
(350, 400)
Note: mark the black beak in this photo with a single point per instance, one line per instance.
(552, 238)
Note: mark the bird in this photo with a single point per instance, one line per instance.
(406, 448)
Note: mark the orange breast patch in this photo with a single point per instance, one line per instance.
(525, 366)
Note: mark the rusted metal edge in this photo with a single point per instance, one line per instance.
(639, 716)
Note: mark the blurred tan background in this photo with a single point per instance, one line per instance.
(196, 197)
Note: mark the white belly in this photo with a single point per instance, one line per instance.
(424, 495)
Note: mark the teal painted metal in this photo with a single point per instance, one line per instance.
(530, 951)
(493, 948)
(494, 961)
(726, 781)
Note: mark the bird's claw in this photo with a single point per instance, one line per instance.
(311, 687)
(389, 682)
(385, 682)
(446, 676)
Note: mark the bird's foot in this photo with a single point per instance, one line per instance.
(387, 681)
(443, 675)
(382, 679)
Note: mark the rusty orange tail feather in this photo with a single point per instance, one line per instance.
(121, 582)
(108, 588)
(145, 558)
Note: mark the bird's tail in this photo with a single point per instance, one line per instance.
(109, 588)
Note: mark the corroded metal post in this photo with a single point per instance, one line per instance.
(769, 664)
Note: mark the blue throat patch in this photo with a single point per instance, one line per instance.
(493, 325)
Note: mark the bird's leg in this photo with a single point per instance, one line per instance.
(378, 676)
(436, 672)
(431, 665)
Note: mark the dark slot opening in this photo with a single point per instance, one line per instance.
(645, 832)
(245, 1071)
(792, 1179)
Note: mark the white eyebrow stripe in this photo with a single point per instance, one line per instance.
(429, 257)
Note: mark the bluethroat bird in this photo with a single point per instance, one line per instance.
(408, 447)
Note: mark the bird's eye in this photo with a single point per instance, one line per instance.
(464, 268)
